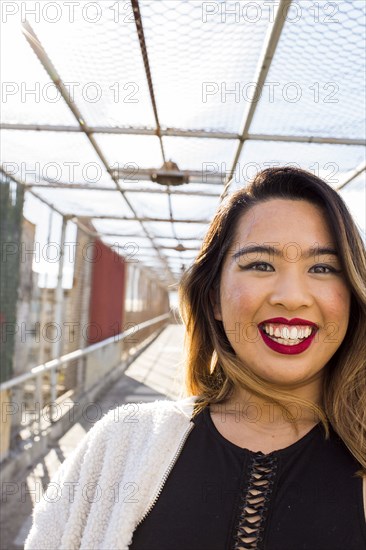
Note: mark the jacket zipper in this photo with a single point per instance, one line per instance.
(169, 469)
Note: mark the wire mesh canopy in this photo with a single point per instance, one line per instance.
(142, 115)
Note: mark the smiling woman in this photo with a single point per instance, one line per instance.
(275, 310)
(268, 452)
(284, 246)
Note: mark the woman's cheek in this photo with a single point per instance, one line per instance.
(335, 306)
(336, 301)
(235, 294)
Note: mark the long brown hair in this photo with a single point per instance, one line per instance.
(212, 368)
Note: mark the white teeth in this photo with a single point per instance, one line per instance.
(288, 335)
(287, 342)
(293, 333)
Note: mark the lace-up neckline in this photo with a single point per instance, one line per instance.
(254, 500)
(258, 481)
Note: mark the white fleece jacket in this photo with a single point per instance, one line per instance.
(104, 488)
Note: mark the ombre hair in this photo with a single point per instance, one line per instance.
(213, 370)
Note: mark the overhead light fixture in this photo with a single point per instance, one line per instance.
(169, 174)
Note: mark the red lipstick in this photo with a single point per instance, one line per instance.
(290, 349)
(295, 321)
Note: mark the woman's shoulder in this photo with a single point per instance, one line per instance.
(134, 415)
(128, 428)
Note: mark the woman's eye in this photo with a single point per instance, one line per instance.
(258, 266)
(324, 269)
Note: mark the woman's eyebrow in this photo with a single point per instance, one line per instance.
(321, 251)
(272, 251)
(257, 249)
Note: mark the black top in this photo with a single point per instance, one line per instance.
(219, 496)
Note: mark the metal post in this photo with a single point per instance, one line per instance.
(42, 346)
(59, 310)
(39, 402)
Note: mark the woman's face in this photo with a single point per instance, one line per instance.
(284, 306)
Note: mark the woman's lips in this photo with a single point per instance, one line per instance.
(286, 339)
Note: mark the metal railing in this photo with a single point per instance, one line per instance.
(64, 361)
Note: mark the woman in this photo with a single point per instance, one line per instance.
(269, 449)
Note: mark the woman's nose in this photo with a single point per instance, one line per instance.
(291, 292)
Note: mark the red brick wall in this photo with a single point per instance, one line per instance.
(107, 293)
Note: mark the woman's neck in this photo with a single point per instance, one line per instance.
(266, 417)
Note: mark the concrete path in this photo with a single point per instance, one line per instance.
(156, 374)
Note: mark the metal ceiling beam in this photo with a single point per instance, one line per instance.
(271, 41)
(41, 54)
(132, 236)
(137, 237)
(195, 176)
(177, 132)
(353, 175)
(144, 219)
(83, 227)
(177, 249)
(306, 139)
(81, 186)
(145, 58)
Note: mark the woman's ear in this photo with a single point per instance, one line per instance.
(215, 301)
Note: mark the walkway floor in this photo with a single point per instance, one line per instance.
(155, 374)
